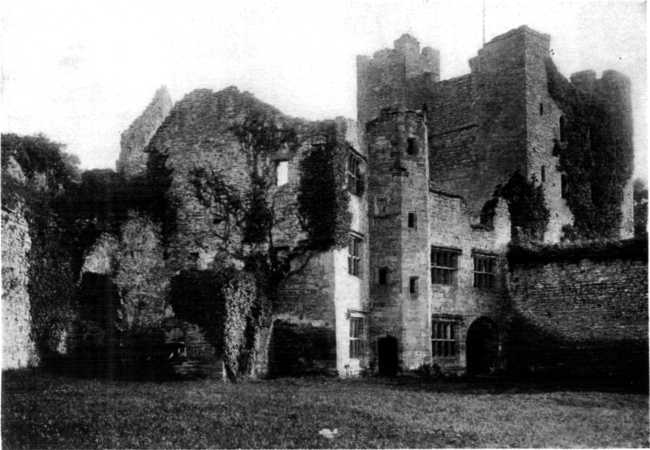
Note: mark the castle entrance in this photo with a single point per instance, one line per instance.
(387, 356)
(482, 347)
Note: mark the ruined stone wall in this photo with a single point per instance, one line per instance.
(133, 159)
(134, 261)
(586, 315)
(18, 349)
(451, 226)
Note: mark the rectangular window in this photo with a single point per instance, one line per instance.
(354, 255)
(543, 174)
(444, 264)
(484, 271)
(282, 172)
(357, 337)
(413, 285)
(443, 338)
(383, 276)
(353, 175)
(412, 220)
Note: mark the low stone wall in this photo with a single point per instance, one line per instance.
(580, 311)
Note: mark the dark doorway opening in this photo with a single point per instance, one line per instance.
(387, 356)
(482, 347)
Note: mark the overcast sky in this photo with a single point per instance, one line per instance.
(81, 71)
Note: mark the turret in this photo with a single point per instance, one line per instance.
(398, 195)
(384, 80)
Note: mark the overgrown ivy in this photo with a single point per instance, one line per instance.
(322, 195)
(529, 215)
(597, 152)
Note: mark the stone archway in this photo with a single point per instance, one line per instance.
(482, 347)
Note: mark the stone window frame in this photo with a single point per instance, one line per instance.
(444, 265)
(485, 270)
(357, 335)
(353, 174)
(355, 242)
(444, 337)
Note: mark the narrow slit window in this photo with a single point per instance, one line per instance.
(412, 146)
(413, 285)
(543, 174)
(563, 185)
(412, 220)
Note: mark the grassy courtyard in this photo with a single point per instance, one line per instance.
(47, 411)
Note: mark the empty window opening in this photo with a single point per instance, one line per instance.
(484, 271)
(282, 172)
(444, 264)
(383, 276)
(562, 129)
(412, 220)
(354, 255)
(443, 338)
(357, 337)
(413, 285)
(543, 174)
(412, 146)
(541, 109)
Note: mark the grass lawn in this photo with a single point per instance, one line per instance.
(48, 411)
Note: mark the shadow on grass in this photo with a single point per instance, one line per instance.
(510, 384)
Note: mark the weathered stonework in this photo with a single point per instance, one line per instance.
(133, 159)
(18, 349)
(588, 316)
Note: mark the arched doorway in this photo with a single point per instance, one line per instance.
(387, 356)
(482, 347)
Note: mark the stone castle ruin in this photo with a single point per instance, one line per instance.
(447, 184)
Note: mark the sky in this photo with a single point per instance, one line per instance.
(81, 71)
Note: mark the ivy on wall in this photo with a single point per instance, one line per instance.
(322, 195)
(221, 302)
(597, 152)
(529, 215)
